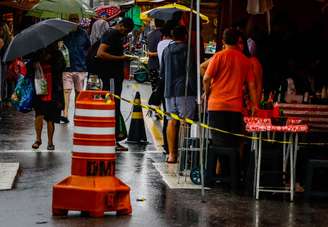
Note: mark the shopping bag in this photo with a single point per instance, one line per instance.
(47, 75)
(23, 95)
(41, 86)
(121, 133)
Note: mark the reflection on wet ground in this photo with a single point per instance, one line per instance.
(29, 203)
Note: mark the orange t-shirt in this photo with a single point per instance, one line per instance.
(229, 69)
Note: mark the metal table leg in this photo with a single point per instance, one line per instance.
(284, 153)
(258, 171)
(295, 144)
(255, 150)
(291, 158)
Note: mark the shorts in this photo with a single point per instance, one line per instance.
(49, 110)
(74, 80)
(227, 121)
(182, 106)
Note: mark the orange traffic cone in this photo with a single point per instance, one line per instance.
(137, 131)
(92, 188)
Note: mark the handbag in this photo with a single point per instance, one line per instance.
(47, 75)
(41, 86)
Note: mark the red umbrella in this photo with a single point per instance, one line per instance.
(112, 11)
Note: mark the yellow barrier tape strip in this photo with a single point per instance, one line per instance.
(189, 121)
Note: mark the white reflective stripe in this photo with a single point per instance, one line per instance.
(94, 130)
(94, 113)
(94, 149)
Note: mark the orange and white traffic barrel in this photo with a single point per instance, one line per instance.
(94, 135)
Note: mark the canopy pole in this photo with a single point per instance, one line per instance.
(199, 99)
(269, 21)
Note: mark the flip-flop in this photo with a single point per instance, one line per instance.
(171, 162)
(36, 144)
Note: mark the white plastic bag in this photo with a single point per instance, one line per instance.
(41, 85)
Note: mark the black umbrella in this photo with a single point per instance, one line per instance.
(37, 36)
(164, 14)
(168, 12)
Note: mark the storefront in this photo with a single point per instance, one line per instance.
(11, 22)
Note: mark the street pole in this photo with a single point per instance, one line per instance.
(91, 3)
(201, 130)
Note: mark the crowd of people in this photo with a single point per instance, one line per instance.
(172, 70)
(63, 65)
(232, 78)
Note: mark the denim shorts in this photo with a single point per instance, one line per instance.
(182, 106)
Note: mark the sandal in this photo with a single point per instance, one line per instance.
(36, 144)
(50, 147)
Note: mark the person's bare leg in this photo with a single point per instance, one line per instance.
(172, 139)
(67, 95)
(51, 130)
(38, 124)
(76, 94)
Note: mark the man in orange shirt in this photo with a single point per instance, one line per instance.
(223, 82)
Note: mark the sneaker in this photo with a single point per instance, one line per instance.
(64, 120)
(119, 147)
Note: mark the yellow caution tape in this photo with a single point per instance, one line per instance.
(189, 121)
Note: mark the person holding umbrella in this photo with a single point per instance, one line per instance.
(49, 62)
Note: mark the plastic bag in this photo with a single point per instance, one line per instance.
(41, 85)
(93, 83)
(16, 68)
(141, 75)
(23, 95)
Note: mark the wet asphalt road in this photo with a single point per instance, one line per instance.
(29, 202)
